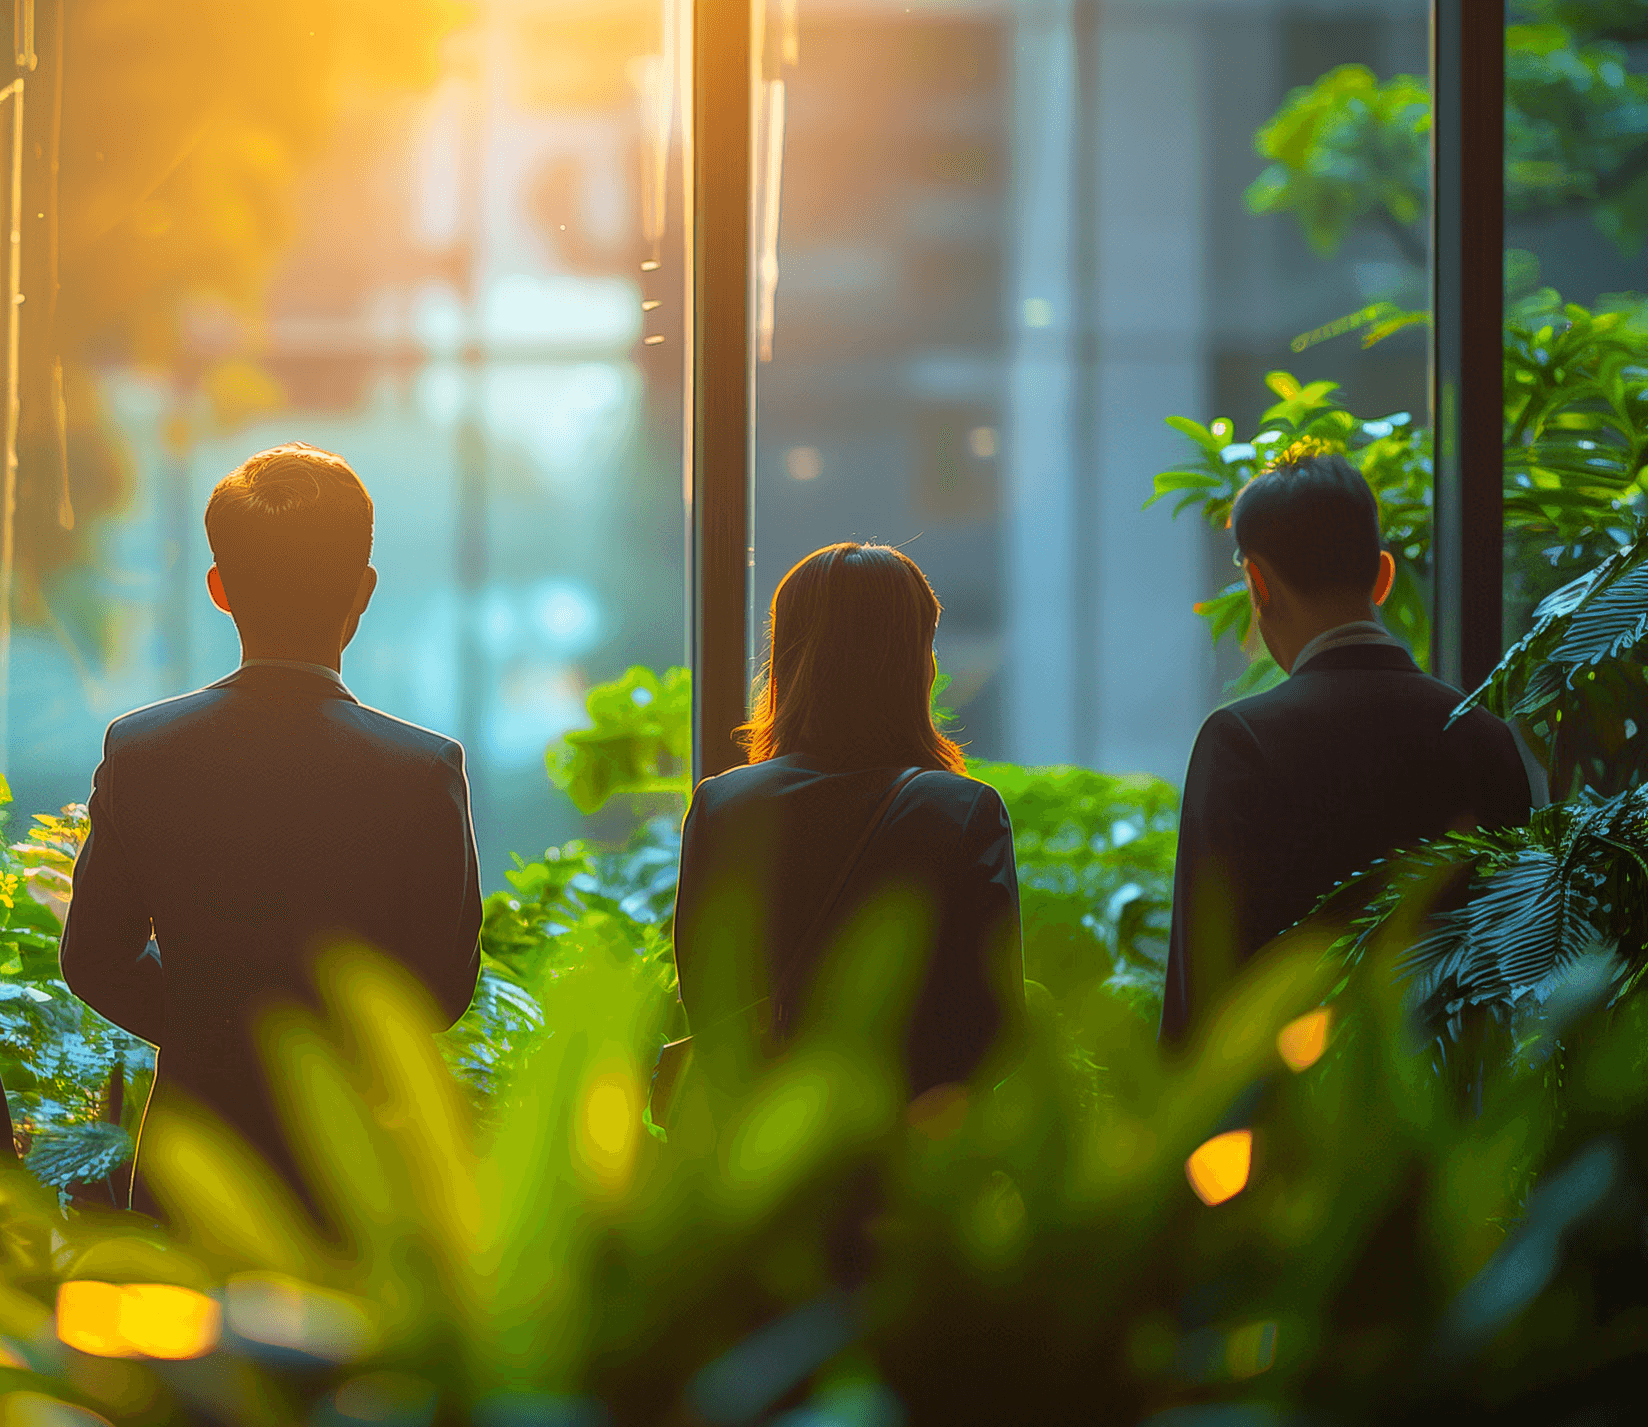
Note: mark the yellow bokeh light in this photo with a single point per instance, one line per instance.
(1218, 1170)
(1301, 1042)
(607, 1115)
(137, 1320)
(609, 1127)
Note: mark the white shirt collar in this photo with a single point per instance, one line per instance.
(1361, 631)
(321, 669)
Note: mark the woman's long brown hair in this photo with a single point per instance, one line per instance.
(848, 676)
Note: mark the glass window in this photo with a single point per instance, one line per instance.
(1576, 358)
(1576, 201)
(1012, 241)
(451, 254)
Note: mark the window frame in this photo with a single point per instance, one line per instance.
(1467, 337)
(1466, 357)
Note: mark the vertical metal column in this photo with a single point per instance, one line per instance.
(720, 381)
(471, 457)
(24, 60)
(1085, 575)
(1467, 362)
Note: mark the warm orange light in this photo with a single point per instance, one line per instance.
(137, 1320)
(1301, 1043)
(1218, 1170)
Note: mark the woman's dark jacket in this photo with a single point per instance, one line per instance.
(770, 839)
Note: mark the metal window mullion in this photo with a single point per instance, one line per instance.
(1467, 345)
(720, 380)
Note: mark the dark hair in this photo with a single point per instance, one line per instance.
(291, 531)
(849, 660)
(1316, 520)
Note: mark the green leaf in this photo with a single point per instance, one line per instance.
(78, 1154)
(638, 744)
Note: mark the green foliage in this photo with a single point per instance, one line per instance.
(639, 741)
(573, 904)
(1040, 1256)
(1576, 461)
(81, 1153)
(59, 1060)
(1575, 681)
(1523, 906)
(1347, 149)
(1576, 120)
(1350, 150)
(1095, 864)
(1393, 454)
(1576, 440)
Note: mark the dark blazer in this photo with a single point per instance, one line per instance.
(250, 823)
(783, 830)
(1297, 788)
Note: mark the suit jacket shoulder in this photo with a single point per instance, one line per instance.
(753, 782)
(165, 725)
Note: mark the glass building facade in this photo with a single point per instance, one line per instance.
(993, 246)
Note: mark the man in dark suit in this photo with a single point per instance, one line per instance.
(252, 824)
(1292, 790)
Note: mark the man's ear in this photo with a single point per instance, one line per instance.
(1387, 577)
(363, 597)
(363, 592)
(214, 587)
(1256, 583)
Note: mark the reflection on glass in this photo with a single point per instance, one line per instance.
(443, 241)
(1576, 323)
(1015, 239)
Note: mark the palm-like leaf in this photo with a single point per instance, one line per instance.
(1601, 615)
(1526, 925)
(1540, 897)
(1575, 681)
(79, 1154)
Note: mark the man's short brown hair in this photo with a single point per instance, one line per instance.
(291, 531)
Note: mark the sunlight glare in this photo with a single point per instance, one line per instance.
(1301, 1042)
(1218, 1170)
(608, 1128)
(131, 1320)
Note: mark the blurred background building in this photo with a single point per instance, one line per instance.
(1010, 239)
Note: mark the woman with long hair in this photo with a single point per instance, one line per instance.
(852, 802)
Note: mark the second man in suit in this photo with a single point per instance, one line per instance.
(1297, 788)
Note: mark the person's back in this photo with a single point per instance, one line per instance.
(842, 712)
(782, 831)
(1293, 790)
(255, 823)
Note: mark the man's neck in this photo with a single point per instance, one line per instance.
(1317, 621)
(293, 653)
